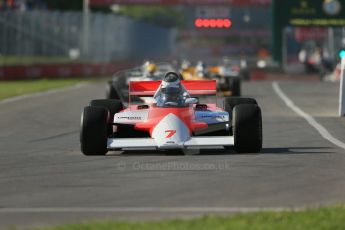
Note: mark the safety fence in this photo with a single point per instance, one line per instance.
(111, 37)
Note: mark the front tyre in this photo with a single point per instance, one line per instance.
(247, 128)
(114, 106)
(93, 133)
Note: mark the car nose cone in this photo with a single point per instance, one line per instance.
(170, 132)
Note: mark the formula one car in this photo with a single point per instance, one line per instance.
(174, 121)
(228, 75)
(198, 72)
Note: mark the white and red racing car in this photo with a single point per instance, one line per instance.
(175, 120)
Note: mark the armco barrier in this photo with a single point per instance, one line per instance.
(60, 70)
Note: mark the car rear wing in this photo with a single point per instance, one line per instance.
(149, 88)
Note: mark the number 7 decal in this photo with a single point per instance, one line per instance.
(170, 133)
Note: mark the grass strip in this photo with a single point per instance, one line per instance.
(315, 219)
(17, 88)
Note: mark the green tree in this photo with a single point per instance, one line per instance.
(158, 15)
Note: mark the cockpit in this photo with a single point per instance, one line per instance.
(171, 92)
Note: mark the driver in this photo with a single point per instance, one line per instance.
(201, 69)
(171, 91)
(149, 70)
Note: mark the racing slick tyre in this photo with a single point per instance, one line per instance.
(235, 86)
(112, 105)
(247, 128)
(111, 91)
(231, 102)
(93, 133)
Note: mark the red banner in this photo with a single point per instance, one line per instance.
(60, 71)
(180, 2)
(305, 34)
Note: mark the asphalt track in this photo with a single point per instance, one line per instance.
(44, 179)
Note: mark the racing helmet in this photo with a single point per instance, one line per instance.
(171, 88)
(151, 68)
(200, 69)
(185, 65)
(172, 79)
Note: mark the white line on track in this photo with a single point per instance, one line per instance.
(322, 130)
(40, 94)
(143, 209)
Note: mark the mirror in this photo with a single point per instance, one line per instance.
(191, 100)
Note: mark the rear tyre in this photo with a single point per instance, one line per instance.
(93, 133)
(247, 128)
(113, 105)
(231, 102)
